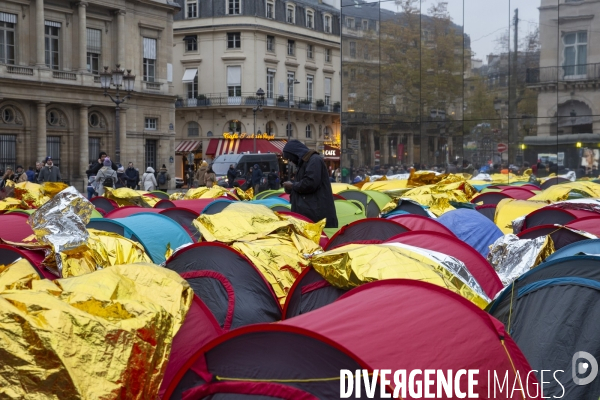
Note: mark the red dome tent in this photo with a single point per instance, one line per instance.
(518, 192)
(432, 328)
(126, 211)
(587, 224)
(420, 223)
(196, 205)
(478, 266)
(553, 215)
(14, 227)
(374, 230)
(490, 198)
(10, 254)
(228, 283)
(102, 202)
(560, 235)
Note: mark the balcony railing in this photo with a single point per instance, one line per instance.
(565, 73)
(12, 69)
(71, 76)
(250, 100)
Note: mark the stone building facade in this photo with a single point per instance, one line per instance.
(51, 102)
(225, 50)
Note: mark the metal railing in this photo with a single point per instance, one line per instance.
(71, 76)
(12, 69)
(222, 99)
(563, 73)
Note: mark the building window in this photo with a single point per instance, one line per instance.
(8, 151)
(191, 43)
(310, 19)
(365, 25)
(270, 83)
(235, 126)
(233, 7)
(309, 51)
(149, 63)
(352, 73)
(271, 44)
(234, 40)
(575, 53)
(93, 149)
(291, 79)
(94, 49)
(289, 132)
(234, 81)
(192, 88)
(366, 52)
(151, 153)
(290, 12)
(270, 128)
(94, 120)
(328, 55)
(327, 24)
(8, 115)
(353, 49)
(150, 124)
(7, 38)
(192, 9)
(327, 91)
(53, 149)
(308, 131)
(309, 87)
(52, 42)
(350, 23)
(291, 48)
(193, 129)
(270, 9)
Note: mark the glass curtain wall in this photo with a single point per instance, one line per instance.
(480, 84)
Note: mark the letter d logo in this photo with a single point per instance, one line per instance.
(582, 367)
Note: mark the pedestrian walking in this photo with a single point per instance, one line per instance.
(106, 177)
(148, 180)
(210, 179)
(132, 175)
(199, 177)
(256, 178)
(163, 178)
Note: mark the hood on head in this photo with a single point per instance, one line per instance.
(204, 164)
(150, 170)
(296, 148)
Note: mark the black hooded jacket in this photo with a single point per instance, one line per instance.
(311, 193)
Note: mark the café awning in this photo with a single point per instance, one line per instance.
(187, 145)
(189, 75)
(216, 147)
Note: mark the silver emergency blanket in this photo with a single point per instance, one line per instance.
(511, 257)
(579, 204)
(61, 222)
(517, 224)
(454, 265)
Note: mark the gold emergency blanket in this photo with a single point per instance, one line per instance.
(242, 221)
(51, 189)
(32, 193)
(105, 335)
(102, 249)
(392, 187)
(437, 197)
(177, 196)
(278, 259)
(505, 179)
(205, 193)
(243, 195)
(511, 257)
(10, 203)
(562, 191)
(509, 210)
(353, 265)
(129, 197)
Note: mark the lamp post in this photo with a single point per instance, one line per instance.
(288, 128)
(118, 78)
(260, 94)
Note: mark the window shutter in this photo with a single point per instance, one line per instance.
(234, 76)
(150, 48)
(94, 40)
(53, 23)
(328, 86)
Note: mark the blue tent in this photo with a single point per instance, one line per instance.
(277, 201)
(216, 206)
(110, 225)
(154, 232)
(591, 246)
(472, 228)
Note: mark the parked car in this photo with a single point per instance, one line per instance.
(178, 182)
(242, 163)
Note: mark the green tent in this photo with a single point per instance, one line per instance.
(347, 212)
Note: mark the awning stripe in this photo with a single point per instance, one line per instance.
(187, 145)
(235, 146)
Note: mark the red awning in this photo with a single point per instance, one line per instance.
(187, 145)
(216, 147)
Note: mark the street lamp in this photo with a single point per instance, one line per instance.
(118, 78)
(288, 128)
(261, 95)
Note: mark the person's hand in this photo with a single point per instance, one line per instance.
(287, 186)
(100, 161)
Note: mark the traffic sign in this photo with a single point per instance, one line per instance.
(502, 147)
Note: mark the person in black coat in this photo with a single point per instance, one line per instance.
(100, 163)
(256, 177)
(132, 176)
(311, 193)
(231, 175)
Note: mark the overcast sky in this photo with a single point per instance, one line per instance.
(486, 20)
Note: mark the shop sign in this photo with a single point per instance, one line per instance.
(331, 152)
(248, 136)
